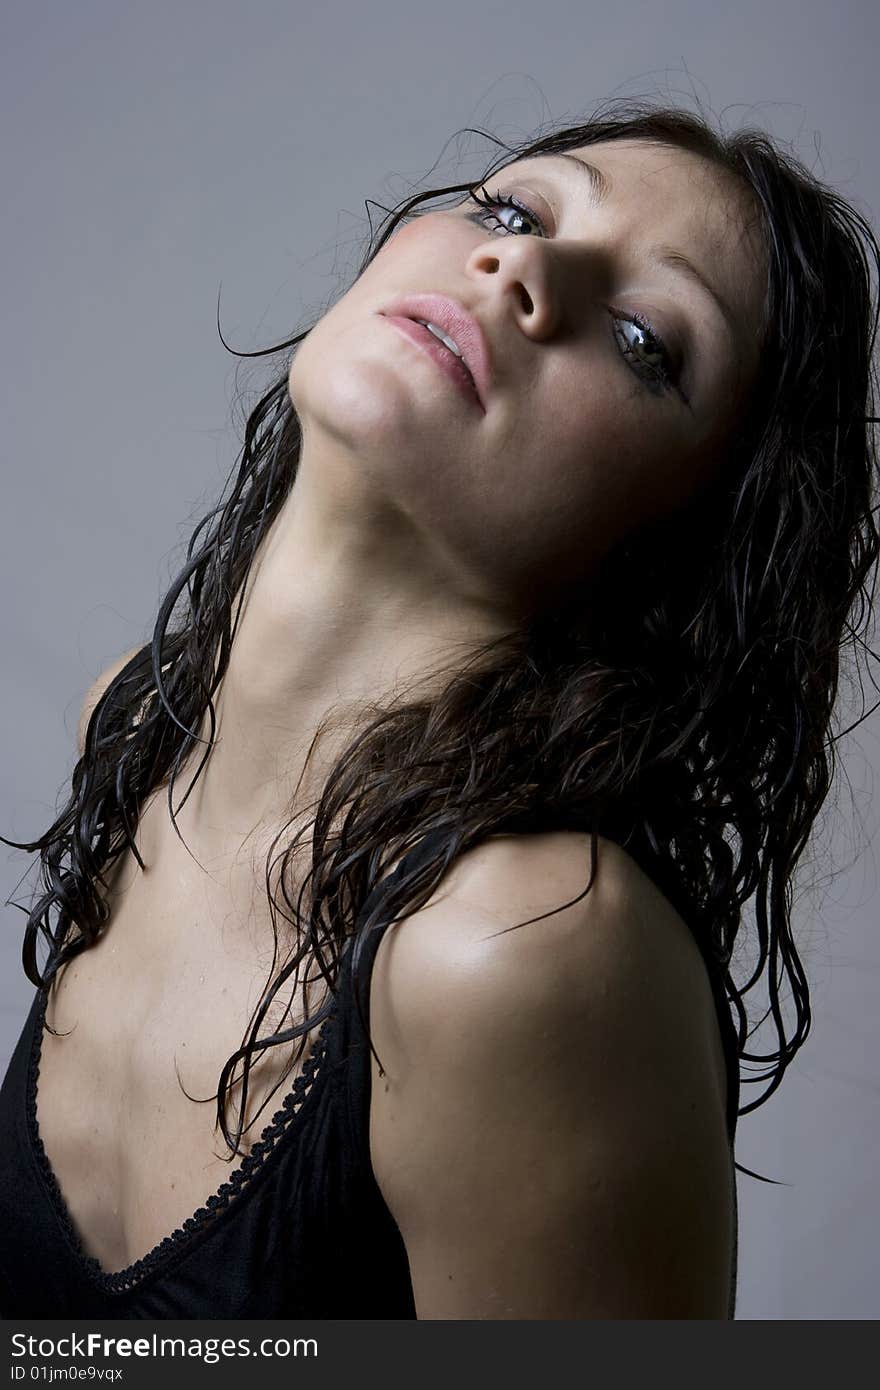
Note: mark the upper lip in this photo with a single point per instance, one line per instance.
(462, 328)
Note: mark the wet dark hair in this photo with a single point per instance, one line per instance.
(690, 718)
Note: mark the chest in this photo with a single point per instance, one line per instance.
(148, 1014)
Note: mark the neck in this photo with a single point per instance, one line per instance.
(341, 614)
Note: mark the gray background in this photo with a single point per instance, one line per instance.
(150, 152)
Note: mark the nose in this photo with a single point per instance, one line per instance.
(527, 282)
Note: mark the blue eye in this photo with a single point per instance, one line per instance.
(657, 367)
(502, 200)
(648, 356)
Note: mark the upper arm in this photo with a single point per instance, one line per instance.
(95, 692)
(549, 1133)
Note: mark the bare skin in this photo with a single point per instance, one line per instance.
(417, 528)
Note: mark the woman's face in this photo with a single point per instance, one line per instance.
(618, 374)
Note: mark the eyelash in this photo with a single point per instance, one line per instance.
(666, 375)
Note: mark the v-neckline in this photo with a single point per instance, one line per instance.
(281, 1125)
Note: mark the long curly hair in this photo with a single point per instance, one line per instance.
(690, 718)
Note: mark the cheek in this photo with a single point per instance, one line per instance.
(568, 455)
(586, 482)
(409, 261)
(651, 483)
(422, 254)
(625, 455)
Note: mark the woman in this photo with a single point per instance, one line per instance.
(520, 629)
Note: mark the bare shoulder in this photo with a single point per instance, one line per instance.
(549, 1131)
(96, 690)
(593, 955)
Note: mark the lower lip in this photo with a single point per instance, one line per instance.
(431, 346)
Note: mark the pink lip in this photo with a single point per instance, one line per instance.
(461, 327)
(431, 346)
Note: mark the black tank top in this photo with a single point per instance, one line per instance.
(299, 1231)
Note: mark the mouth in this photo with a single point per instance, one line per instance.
(450, 364)
(440, 321)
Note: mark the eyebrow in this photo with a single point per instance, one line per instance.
(600, 187)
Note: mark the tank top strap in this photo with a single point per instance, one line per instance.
(659, 872)
(349, 1055)
(359, 952)
(629, 833)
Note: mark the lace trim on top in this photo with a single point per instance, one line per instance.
(123, 1280)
